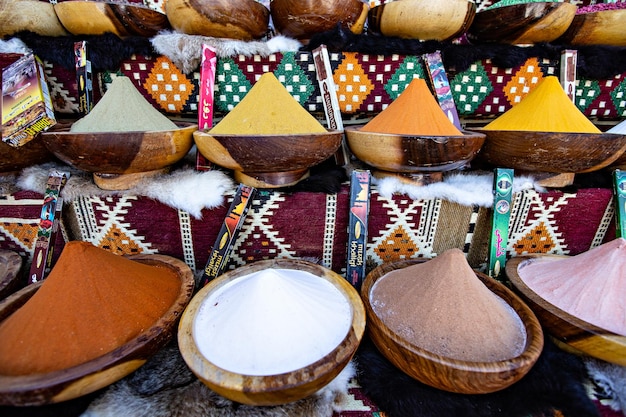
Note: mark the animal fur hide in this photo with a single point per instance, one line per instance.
(608, 381)
(165, 387)
(554, 383)
(185, 51)
(178, 189)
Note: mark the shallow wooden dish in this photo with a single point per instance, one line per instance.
(570, 332)
(31, 153)
(235, 19)
(605, 27)
(280, 388)
(526, 23)
(551, 151)
(301, 19)
(451, 374)
(413, 154)
(118, 160)
(54, 387)
(268, 161)
(10, 266)
(84, 17)
(423, 19)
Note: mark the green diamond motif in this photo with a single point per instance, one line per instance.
(470, 88)
(586, 92)
(231, 85)
(410, 68)
(618, 96)
(294, 78)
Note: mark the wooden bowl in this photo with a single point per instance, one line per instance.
(32, 15)
(448, 374)
(410, 154)
(119, 160)
(235, 19)
(66, 384)
(301, 19)
(525, 23)
(268, 161)
(604, 27)
(569, 332)
(10, 277)
(31, 153)
(84, 17)
(422, 19)
(280, 388)
(551, 151)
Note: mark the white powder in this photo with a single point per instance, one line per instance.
(271, 321)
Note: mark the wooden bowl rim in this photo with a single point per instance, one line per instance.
(529, 5)
(535, 133)
(65, 130)
(22, 385)
(534, 333)
(286, 136)
(190, 351)
(467, 133)
(511, 270)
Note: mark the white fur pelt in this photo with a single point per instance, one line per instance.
(165, 387)
(610, 380)
(185, 189)
(185, 51)
(463, 188)
(13, 46)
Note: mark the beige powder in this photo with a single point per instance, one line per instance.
(442, 306)
(122, 108)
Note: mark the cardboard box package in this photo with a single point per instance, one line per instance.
(26, 104)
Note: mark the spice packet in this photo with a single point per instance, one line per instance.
(441, 85)
(218, 258)
(84, 79)
(568, 72)
(619, 190)
(503, 193)
(48, 226)
(208, 67)
(357, 226)
(328, 91)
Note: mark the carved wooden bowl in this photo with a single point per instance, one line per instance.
(423, 19)
(268, 161)
(67, 384)
(558, 152)
(569, 332)
(410, 154)
(10, 277)
(18, 16)
(605, 27)
(301, 19)
(31, 153)
(525, 23)
(240, 19)
(84, 17)
(119, 160)
(448, 374)
(281, 388)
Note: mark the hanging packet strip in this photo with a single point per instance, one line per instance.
(218, 258)
(49, 219)
(208, 66)
(568, 72)
(503, 194)
(358, 217)
(84, 79)
(328, 91)
(441, 86)
(619, 191)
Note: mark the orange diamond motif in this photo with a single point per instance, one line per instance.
(24, 233)
(118, 242)
(537, 240)
(168, 86)
(397, 246)
(524, 80)
(354, 86)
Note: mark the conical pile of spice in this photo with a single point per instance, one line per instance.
(590, 285)
(92, 302)
(547, 108)
(442, 306)
(414, 112)
(267, 109)
(122, 108)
